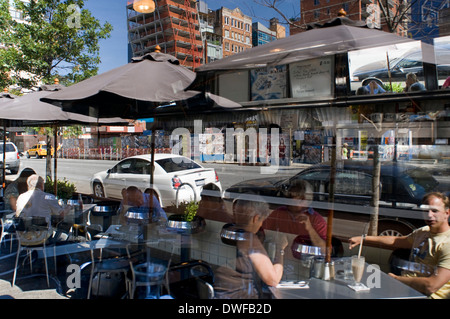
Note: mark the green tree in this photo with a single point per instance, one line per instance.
(6, 55)
(58, 39)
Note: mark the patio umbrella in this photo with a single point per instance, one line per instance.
(133, 90)
(30, 108)
(30, 111)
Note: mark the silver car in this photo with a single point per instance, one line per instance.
(12, 158)
(177, 178)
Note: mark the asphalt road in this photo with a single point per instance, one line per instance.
(80, 171)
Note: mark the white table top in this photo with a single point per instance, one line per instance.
(384, 288)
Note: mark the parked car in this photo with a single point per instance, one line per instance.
(176, 178)
(38, 151)
(409, 62)
(12, 158)
(402, 187)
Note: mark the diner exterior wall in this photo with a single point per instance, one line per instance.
(208, 246)
(427, 122)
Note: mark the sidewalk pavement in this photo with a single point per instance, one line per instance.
(28, 285)
(33, 289)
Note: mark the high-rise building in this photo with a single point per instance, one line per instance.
(235, 28)
(444, 22)
(174, 26)
(280, 31)
(212, 41)
(261, 34)
(17, 15)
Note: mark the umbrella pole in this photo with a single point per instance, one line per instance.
(152, 166)
(4, 159)
(55, 161)
(389, 70)
(331, 200)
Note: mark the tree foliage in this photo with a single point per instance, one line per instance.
(58, 39)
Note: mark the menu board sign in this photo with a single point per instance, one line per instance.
(234, 86)
(268, 83)
(312, 78)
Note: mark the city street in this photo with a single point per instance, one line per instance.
(81, 171)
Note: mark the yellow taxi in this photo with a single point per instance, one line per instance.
(37, 151)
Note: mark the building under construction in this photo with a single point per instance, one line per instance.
(174, 26)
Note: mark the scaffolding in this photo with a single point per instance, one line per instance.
(174, 26)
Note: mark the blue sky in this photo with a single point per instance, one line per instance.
(113, 51)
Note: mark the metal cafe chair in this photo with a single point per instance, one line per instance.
(108, 270)
(205, 289)
(5, 232)
(33, 234)
(150, 274)
(196, 283)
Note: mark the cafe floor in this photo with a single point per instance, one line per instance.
(28, 286)
(33, 285)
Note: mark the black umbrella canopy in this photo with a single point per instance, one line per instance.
(29, 109)
(6, 97)
(129, 91)
(133, 90)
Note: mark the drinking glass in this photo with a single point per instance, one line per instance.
(347, 264)
(306, 267)
(358, 268)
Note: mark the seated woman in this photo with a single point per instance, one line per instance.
(413, 84)
(16, 188)
(254, 267)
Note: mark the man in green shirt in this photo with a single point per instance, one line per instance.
(430, 246)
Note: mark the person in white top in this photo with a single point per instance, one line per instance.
(35, 202)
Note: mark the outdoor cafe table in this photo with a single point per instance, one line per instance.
(388, 288)
(79, 217)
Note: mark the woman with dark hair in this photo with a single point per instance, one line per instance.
(253, 268)
(19, 186)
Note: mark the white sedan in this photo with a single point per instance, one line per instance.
(176, 178)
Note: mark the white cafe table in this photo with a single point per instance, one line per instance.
(79, 217)
(386, 288)
(77, 247)
(116, 236)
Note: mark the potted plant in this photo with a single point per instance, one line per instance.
(185, 220)
(65, 189)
